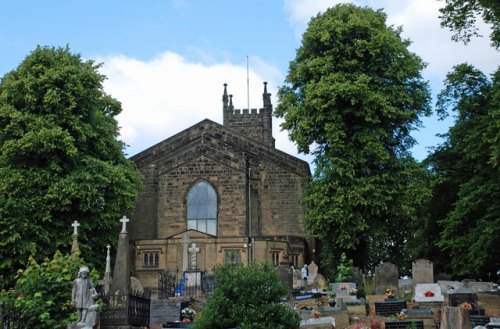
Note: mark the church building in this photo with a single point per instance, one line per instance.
(219, 193)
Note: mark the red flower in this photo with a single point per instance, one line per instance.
(429, 293)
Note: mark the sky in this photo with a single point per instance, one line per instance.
(166, 60)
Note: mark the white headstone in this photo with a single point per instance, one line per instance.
(423, 289)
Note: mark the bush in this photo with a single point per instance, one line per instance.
(42, 296)
(247, 297)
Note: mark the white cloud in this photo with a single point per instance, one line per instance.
(421, 24)
(168, 94)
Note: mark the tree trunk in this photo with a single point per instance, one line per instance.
(455, 318)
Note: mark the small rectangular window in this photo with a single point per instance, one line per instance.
(151, 259)
(276, 257)
(232, 256)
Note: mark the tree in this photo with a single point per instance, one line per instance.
(43, 292)
(60, 160)
(460, 16)
(248, 297)
(467, 175)
(353, 94)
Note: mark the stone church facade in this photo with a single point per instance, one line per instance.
(219, 193)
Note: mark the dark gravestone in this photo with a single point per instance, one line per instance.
(389, 308)
(164, 311)
(286, 275)
(386, 275)
(458, 298)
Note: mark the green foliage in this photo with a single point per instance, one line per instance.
(60, 160)
(460, 16)
(466, 175)
(344, 269)
(43, 292)
(352, 96)
(247, 297)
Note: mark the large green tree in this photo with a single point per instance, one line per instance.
(460, 16)
(247, 297)
(60, 160)
(467, 174)
(353, 94)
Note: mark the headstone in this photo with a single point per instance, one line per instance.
(454, 318)
(405, 285)
(313, 271)
(450, 287)
(428, 292)
(480, 286)
(285, 273)
(422, 271)
(386, 275)
(458, 298)
(163, 311)
(319, 282)
(358, 277)
(343, 289)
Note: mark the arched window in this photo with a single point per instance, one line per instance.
(202, 208)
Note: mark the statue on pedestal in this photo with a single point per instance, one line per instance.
(83, 296)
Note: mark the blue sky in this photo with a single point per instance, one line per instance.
(166, 60)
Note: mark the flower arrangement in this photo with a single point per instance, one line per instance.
(465, 306)
(389, 292)
(188, 312)
(353, 291)
(428, 293)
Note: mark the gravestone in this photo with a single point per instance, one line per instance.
(480, 286)
(313, 271)
(458, 298)
(386, 275)
(319, 282)
(285, 273)
(450, 287)
(343, 288)
(422, 271)
(358, 277)
(405, 285)
(422, 289)
(164, 311)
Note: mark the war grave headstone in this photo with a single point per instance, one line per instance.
(386, 275)
(422, 271)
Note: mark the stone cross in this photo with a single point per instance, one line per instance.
(185, 244)
(75, 226)
(193, 250)
(124, 220)
(108, 260)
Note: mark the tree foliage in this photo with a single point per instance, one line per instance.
(42, 297)
(352, 96)
(467, 174)
(247, 297)
(60, 160)
(460, 16)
